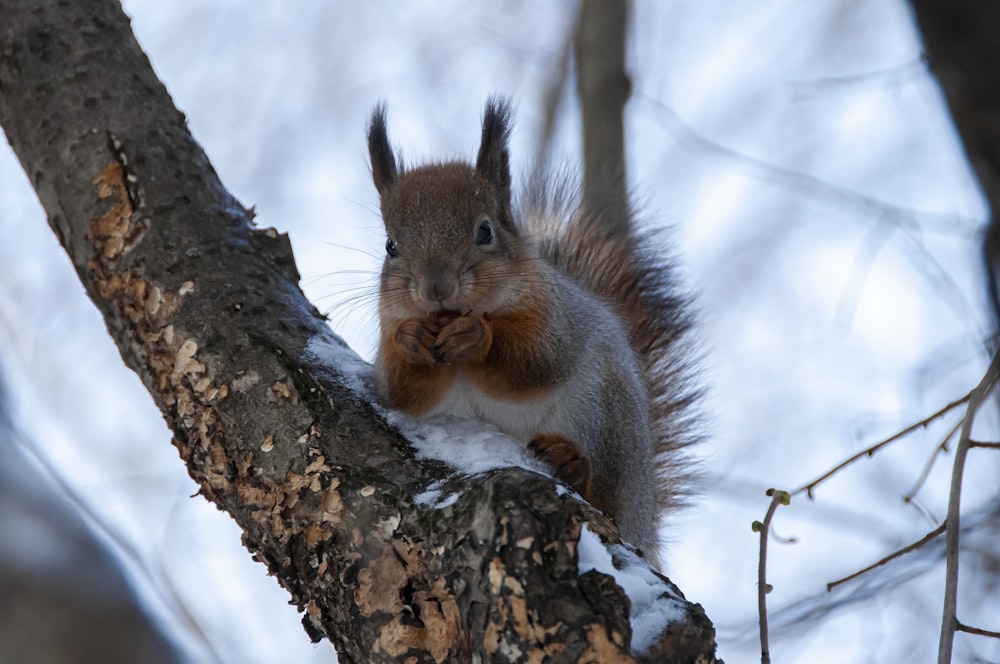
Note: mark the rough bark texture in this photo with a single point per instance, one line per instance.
(963, 51)
(207, 310)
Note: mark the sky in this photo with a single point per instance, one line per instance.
(820, 207)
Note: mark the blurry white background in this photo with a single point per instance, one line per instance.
(823, 213)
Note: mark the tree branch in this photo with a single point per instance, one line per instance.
(604, 87)
(778, 497)
(949, 614)
(206, 309)
(925, 473)
(888, 559)
(977, 631)
(870, 451)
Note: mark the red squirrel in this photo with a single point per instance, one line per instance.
(537, 320)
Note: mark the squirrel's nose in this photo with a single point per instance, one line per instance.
(437, 288)
(441, 291)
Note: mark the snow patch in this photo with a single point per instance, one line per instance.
(654, 602)
(469, 446)
(432, 497)
(329, 351)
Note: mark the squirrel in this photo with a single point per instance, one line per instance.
(538, 320)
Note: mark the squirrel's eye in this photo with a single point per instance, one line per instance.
(391, 248)
(485, 233)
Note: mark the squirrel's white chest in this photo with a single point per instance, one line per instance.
(521, 419)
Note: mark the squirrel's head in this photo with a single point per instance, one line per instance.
(451, 240)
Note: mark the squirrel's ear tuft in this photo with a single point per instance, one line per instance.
(493, 161)
(383, 160)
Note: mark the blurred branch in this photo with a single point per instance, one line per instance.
(552, 95)
(963, 49)
(864, 206)
(889, 77)
(79, 606)
(892, 556)
(911, 223)
(153, 573)
(949, 618)
(604, 88)
(940, 449)
(864, 260)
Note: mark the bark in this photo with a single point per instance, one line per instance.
(604, 87)
(963, 51)
(206, 309)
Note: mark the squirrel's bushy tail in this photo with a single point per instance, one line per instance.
(602, 248)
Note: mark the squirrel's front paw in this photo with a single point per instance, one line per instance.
(464, 339)
(414, 339)
(571, 464)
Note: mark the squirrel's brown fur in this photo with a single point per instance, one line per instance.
(541, 322)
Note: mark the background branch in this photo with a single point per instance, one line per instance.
(949, 617)
(603, 86)
(961, 47)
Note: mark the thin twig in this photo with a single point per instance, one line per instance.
(985, 446)
(808, 488)
(924, 511)
(949, 617)
(912, 547)
(773, 534)
(977, 631)
(777, 498)
(941, 448)
(866, 207)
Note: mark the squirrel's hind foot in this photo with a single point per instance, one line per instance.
(571, 464)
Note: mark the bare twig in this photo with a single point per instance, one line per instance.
(907, 549)
(976, 630)
(949, 618)
(987, 446)
(778, 497)
(902, 74)
(808, 185)
(941, 448)
(912, 223)
(773, 534)
(870, 451)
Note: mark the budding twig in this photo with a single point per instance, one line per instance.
(777, 498)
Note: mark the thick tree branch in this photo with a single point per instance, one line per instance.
(207, 310)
